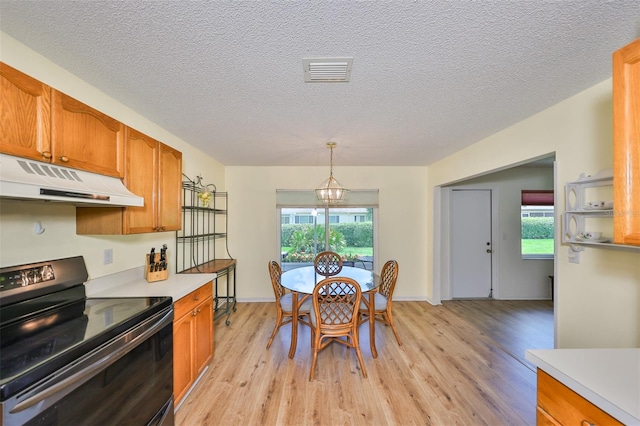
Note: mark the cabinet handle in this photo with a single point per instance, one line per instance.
(64, 158)
(196, 297)
(162, 228)
(199, 310)
(46, 154)
(193, 314)
(587, 423)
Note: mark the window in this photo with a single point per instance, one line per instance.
(302, 240)
(304, 219)
(537, 218)
(347, 228)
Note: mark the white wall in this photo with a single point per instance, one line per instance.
(402, 220)
(597, 301)
(19, 244)
(513, 277)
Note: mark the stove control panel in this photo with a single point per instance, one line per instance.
(25, 277)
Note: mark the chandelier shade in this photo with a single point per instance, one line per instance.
(330, 191)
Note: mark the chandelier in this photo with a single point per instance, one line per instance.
(330, 191)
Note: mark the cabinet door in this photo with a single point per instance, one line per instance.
(626, 144)
(204, 335)
(170, 193)
(84, 138)
(141, 178)
(183, 368)
(556, 402)
(25, 108)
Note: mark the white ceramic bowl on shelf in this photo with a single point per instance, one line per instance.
(598, 205)
(590, 236)
(595, 205)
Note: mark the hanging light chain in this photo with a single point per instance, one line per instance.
(331, 146)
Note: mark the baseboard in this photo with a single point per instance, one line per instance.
(271, 299)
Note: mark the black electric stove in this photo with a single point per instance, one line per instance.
(47, 324)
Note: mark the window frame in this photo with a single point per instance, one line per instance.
(544, 201)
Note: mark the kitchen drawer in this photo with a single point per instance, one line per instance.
(191, 300)
(558, 402)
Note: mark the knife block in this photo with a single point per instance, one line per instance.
(155, 275)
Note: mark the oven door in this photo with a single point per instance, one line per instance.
(126, 381)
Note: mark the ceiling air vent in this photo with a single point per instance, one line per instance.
(327, 70)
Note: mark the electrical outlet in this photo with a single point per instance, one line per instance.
(108, 256)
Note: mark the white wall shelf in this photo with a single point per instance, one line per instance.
(577, 214)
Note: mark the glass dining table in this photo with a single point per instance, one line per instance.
(302, 281)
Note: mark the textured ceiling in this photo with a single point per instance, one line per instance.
(428, 78)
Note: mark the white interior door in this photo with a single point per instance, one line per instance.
(471, 243)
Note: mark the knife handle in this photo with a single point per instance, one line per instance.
(152, 259)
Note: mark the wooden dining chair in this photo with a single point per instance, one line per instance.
(284, 303)
(328, 263)
(335, 314)
(383, 298)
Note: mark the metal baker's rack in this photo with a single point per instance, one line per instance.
(201, 244)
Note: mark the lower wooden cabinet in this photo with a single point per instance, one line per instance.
(559, 405)
(192, 338)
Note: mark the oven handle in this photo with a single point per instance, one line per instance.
(126, 344)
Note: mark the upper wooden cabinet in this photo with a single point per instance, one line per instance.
(626, 144)
(153, 170)
(85, 138)
(170, 191)
(25, 108)
(43, 124)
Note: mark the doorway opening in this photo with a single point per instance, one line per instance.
(512, 275)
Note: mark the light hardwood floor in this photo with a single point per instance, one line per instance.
(461, 363)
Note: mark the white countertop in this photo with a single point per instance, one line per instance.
(131, 283)
(608, 378)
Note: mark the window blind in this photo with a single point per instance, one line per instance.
(307, 198)
(541, 197)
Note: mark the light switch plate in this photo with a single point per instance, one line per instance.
(108, 256)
